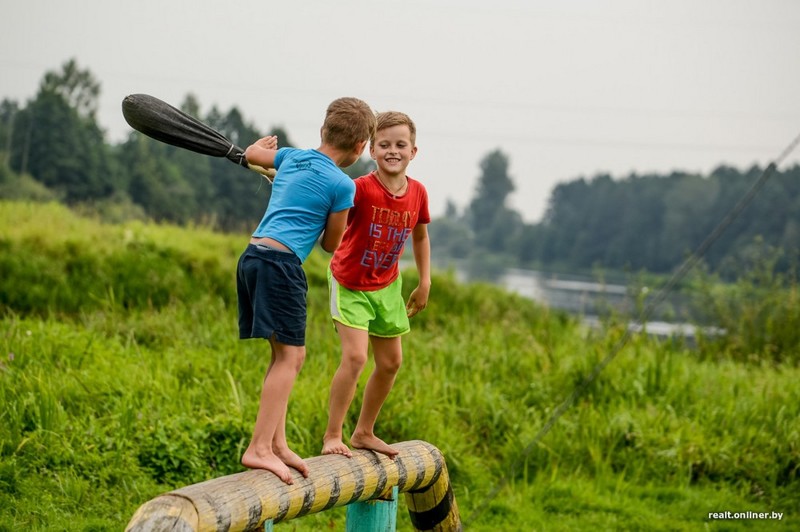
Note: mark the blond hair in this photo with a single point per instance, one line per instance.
(348, 121)
(389, 119)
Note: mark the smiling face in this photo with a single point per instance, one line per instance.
(393, 148)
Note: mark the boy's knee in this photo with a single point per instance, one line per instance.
(299, 359)
(355, 360)
(293, 357)
(389, 365)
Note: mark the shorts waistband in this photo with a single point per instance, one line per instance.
(274, 254)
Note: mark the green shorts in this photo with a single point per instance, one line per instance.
(381, 312)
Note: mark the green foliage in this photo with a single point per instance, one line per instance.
(155, 179)
(492, 190)
(649, 222)
(450, 237)
(185, 449)
(652, 222)
(238, 197)
(494, 226)
(362, 166)
(77, 87)
(85, 267)
(22, 187)
(636, 223)
(55, 144)
(56, 139)
(759, 313)
(107, 403)
(486, 266)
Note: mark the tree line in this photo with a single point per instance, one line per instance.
(52, 148)
(639, 222)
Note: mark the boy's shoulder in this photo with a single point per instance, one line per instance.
(415, 182)
(365, 182)
(291, 152)
(303, 159)
(417, 188)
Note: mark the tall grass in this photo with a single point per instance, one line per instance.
(760, 312)
(121, 377)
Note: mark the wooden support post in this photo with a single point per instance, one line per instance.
(245, 501)
(377, 515)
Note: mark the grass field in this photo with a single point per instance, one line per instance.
(121, 377)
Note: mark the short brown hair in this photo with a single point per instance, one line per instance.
(348, 121)
(389, 119)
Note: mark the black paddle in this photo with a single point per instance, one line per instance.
(163, 122)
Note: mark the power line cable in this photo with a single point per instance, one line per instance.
(687, 265)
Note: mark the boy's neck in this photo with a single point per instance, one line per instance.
(337, 155)
(390, 178)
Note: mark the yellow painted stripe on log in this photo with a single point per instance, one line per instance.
(434, 507)
(220, 501)
(430, 497)
(267, 503)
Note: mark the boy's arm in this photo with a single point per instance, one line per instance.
(418, 299)
(262, 152)
(334, 230)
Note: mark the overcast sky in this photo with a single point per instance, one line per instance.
(566, 88)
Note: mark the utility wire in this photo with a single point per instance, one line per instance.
(643, 318)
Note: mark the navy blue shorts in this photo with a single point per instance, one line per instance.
(272, 288)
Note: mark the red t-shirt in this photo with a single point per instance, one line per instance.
(377, 227)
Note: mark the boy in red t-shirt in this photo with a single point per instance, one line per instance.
(365, 284)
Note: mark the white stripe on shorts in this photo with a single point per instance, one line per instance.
(334, 297)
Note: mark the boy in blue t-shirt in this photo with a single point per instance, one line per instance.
(311, 196)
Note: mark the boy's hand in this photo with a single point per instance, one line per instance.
(270, 142)
(417, 301)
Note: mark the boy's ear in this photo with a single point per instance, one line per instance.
(413, 152)
(360, 146)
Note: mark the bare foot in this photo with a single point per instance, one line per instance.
(291, 459)
(373, 443)
(270, 462)
(335, 446)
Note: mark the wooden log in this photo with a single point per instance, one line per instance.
(434, 507)
(244, 501)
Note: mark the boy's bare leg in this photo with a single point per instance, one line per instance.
(260, 453)
(282, 451)
(355, 349)
(388, 353)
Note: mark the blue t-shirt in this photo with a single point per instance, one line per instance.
(307, 188)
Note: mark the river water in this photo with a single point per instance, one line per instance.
(590, 299)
